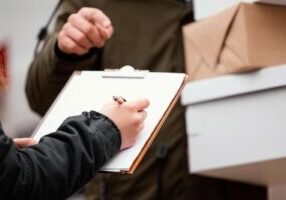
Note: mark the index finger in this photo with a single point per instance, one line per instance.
(95, 16)
(140, 104)
(105, 32)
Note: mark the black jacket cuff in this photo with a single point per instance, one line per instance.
(107, 127)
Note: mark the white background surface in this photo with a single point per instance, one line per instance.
(19, 25)
(205, 8)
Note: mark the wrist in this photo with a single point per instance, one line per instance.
(73, 57)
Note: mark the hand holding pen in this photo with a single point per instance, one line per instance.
(129, 117)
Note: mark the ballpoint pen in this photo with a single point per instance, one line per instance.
(119, 99)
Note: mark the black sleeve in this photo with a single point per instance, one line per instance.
(61, 163)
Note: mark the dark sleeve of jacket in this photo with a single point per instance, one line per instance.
(49, 71)
(61, 163)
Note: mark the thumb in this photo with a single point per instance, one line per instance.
(140, 104)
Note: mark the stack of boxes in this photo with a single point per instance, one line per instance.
(236, 98)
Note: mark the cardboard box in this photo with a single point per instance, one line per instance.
(207, 8)
(236, 126)
(243, 38)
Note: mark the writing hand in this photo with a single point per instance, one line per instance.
(129, 118)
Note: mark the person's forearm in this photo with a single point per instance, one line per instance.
(62, 162)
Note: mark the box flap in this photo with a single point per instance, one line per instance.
(265, 32)
(243, 38)
(208, 36)
(232, 85)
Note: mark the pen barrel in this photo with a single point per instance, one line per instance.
(119, 99)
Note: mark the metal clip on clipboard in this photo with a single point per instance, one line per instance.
(125, 72)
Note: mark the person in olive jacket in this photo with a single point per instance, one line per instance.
(63, 161)
(146, 34)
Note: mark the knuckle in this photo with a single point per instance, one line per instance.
(60, 36)
(71, 46)
(88, 30)
(98, 12)
(66, 27)
(62, 44)
(83, 10)
(72, 17)
(87, 12)
(131, 106)
(81, 39)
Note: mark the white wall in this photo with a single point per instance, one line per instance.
(19, 25)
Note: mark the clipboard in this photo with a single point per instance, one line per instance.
(90, 90)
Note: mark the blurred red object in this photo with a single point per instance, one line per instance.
(3, 66)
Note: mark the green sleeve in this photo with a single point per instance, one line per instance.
(49, 71)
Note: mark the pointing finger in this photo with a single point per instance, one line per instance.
(95, 16)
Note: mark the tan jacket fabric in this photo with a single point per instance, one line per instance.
(147, 36)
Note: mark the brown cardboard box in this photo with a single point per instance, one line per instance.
(240, 39)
